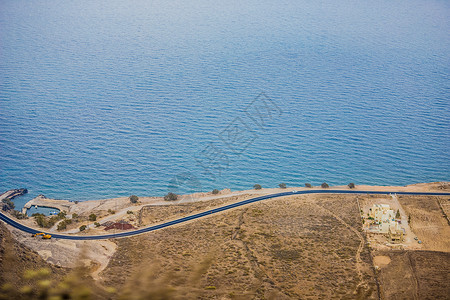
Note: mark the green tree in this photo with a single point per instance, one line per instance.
(324, 185)
(62, 214)
(308, 185)
(8, 204)
(215, 191)
(19, 215)
(62, 225)
(134, 199)
(351, 185)
(83, 227)
(171, 197)
(40, 220)
(92, 217)
(282, 185)
(257, 187)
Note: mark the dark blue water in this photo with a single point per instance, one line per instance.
(111, 98)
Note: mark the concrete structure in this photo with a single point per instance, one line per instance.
(42, 201)
(381, 213)
(395, 232)
(384, 220)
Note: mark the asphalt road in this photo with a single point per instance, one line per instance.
(24, 228)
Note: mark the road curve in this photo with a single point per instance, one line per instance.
(27, 229)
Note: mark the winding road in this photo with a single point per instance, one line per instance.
(30, 230)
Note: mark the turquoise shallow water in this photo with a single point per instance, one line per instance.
(111, 98)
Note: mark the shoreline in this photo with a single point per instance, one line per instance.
(119, 203)
(100, 243)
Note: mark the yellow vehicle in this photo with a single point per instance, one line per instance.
(44, 235)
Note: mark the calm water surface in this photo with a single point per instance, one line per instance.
(111, 98)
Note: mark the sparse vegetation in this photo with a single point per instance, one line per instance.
(351, 185)
(324, 185)
(257, 187)
(263, 232)
(134, 199)
(296, 257)
(111, 212)
(397, 215)
(8, 204)
(63, 224)
(130, 212)
(47, 222)
(282, 185)
(74, 216)
(171, 197)
(18, 215)
(215, 191)
(308, 185)
(286, 254)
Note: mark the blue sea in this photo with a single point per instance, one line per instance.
(102, 99)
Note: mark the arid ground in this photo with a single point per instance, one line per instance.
(296, 247)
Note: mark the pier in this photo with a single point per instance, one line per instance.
(11, 194)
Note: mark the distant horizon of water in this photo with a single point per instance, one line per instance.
(106, 99)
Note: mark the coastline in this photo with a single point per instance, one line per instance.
(120, 203)
(155, 211)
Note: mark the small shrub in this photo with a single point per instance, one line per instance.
(130, 212)
(83, 227)
(308, 185)
(43, 221)
(74, 216)
(110, 211)
(97, 224)
(397, 215)
(134, 199)
(351, 185)
(257, 187)
(92, 217)
(324, 185)
(18, 215)
(171, 197)
(282, 185)
(215, 191)
(286, 254)
(8, 204)
(62, 225)
(62, 214)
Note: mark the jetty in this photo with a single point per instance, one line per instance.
(42, 201)
(11, 194)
